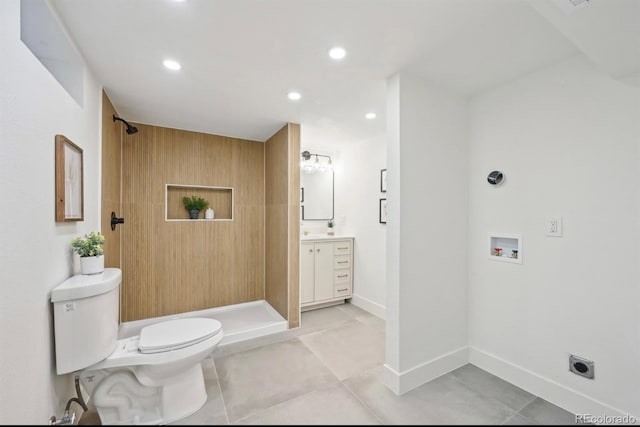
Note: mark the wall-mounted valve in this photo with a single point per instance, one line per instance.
(115, 220)
(67, 419)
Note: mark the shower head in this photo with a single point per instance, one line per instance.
(130, 129)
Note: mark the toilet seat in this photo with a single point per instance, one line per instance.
(204, 339)
(176, 334)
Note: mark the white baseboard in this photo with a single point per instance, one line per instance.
(370, 306)
(558, 394)
(402, 382)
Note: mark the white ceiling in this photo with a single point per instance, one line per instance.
(240, 57)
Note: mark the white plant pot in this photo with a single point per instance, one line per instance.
(92, 264)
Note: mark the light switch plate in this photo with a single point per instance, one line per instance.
(553, 226)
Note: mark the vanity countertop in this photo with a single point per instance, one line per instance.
(317, 236)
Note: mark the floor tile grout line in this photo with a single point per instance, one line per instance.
(342, 382)
(528, 404)
(339, 382)
(508, 419)
(263, 410)
(224, 403)
(335, 325)
(327, 367)
(466, 385)
(362, 402)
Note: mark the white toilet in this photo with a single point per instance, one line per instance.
(153, 378)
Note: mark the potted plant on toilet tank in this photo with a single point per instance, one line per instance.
(194, 205)
(91, 251)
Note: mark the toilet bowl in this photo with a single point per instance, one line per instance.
(156, 377)
(153, 378)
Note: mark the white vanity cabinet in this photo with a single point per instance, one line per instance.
(326, 271)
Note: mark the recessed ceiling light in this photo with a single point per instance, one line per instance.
(294, 96)
(370, 116)
(171, 64)
(337, 52)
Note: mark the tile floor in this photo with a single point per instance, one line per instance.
(329, 372)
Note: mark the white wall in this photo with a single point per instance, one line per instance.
(568, 140)
(35, 251)
(427, 232)
(357, 190)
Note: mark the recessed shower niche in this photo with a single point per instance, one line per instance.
(220, 200)
(505, 247)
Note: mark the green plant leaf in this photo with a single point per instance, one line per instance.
(92, 244)
(194, 202)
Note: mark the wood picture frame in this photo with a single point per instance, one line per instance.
(69, 180)
(383, 180)
(382, 211)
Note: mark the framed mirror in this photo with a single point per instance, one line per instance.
(316, 195)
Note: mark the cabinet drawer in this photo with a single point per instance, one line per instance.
(342, 276)
(342, 290)
(343, 248)
(342, 261)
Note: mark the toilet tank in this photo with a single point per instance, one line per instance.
(85, 314)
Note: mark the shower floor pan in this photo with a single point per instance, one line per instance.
(239, 321)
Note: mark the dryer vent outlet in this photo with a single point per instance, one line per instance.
(581, 366)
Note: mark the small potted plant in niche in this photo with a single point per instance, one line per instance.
(330, 228)
(194, 205)
(91, 251)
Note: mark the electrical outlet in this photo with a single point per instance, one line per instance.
(553, 226)
(581, 366)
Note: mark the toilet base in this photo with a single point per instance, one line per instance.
(120, 398)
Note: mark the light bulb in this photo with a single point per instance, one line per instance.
(171, 64)
(337, 53)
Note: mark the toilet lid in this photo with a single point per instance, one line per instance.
(176, 333)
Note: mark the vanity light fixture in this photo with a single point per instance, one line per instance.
(171, 64)
(370, 116)
(294, 96)
(316, 165)
(337, 53)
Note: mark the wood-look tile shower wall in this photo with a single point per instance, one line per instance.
(282, 238)
(111, 172)
(171, 267)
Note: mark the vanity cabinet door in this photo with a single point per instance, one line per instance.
(326, 272)
(307, 255)
(323, 271)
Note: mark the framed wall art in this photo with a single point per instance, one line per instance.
(69, 181)
(383, 211)
(383, 180)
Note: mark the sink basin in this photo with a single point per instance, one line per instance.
(314, 235)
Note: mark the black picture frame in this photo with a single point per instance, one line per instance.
(382, 211)
(383, 180)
